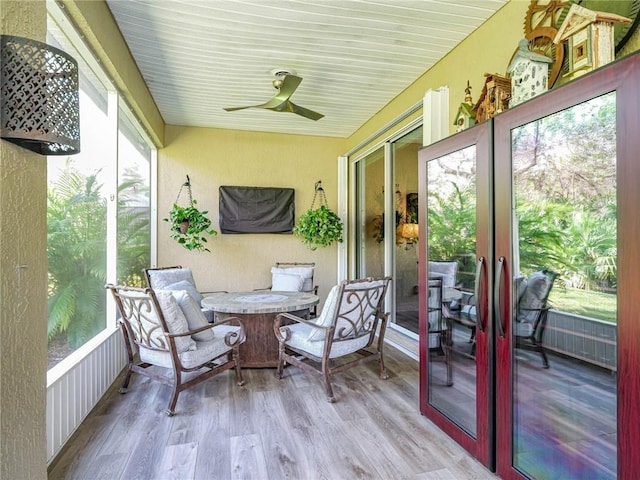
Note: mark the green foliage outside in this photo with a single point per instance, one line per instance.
(599, 305)
(77, 253)
(564, 174)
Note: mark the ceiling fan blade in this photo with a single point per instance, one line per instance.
(305, 112)
(289, 85)
(281, 103)
(272, 104)
(233, 109)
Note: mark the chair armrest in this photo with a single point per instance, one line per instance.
(534, 309)
(231, 338)
(284, 336)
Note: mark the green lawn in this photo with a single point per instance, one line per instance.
(582, 302)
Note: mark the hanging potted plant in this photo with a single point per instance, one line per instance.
(189, 225)
(319, 227)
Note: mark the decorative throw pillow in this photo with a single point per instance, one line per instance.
(193, 313)
(188, 287)
(326, 316)
(287, 282)
(305, 272)
(176, 321)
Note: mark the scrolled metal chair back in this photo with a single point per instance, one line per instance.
(359, 307)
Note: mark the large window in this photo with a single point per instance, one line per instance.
(98, 211)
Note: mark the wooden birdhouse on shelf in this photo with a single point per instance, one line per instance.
(466, 116)
(494, 97)
(529, 72)
(589, 37)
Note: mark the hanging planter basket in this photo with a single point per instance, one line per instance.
(319, 226)
(189, 226)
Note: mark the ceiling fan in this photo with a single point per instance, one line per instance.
(286, 83)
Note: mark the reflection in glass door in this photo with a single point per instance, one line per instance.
(565, 239)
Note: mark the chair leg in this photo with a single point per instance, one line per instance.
(545, 360)
(280, 360)
(124, 388)
(326, 379)
(236, 361)
(171, 410)
(383, 371)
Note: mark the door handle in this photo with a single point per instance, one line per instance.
(479, 269)
(497, 297)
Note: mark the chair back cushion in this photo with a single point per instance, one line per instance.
(448, 271)
(194, 315)
(173, 279)
(534, 297)
(326, 315)
(175, 320)
(287, 282)
(305, 272)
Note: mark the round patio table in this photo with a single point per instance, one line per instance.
(257, 311)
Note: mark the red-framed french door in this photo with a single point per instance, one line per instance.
(574, 420)
(456, 390)
(560, 191)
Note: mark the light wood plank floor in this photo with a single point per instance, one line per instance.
(268, 429)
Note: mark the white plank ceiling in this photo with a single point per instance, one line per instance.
(354, 55)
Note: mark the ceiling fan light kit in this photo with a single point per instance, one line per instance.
(286, 82)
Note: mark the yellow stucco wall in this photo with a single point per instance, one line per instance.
(215, 157)
(23, 276)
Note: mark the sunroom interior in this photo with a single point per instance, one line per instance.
(136, 161)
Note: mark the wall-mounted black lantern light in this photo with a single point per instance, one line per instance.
(39, 100)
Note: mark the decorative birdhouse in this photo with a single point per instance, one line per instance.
(466, 116)
(494, 97)
(589, 37)
(529, 72)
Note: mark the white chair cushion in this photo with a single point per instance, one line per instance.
(203, 351)
(326, 316)
(186, 286)
(208, 350)
(300, 334)
(287, 282)
(193, 313)
(176, 321)
(304, 272)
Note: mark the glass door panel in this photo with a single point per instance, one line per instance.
(451, 226)
(565, 230)
(566, 200)
(455, 328)
(370, 231)
(405, 275)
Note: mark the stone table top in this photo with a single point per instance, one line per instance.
(260, 302)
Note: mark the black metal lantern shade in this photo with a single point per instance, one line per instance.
(39, 99)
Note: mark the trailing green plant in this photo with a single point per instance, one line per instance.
(189, 225)
(319, 227)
